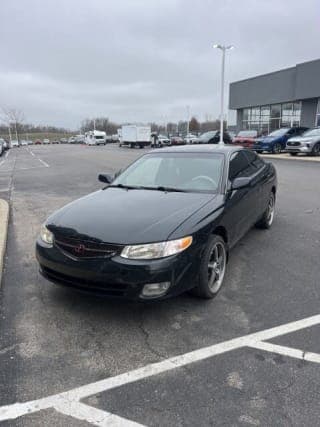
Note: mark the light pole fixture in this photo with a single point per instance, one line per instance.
(223, 49)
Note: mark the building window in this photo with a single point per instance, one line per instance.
(267, 118)
(318, 114)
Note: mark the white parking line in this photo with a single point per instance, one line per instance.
(43, 162)
(69, 402)
(287, 351)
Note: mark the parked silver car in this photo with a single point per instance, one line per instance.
(308, 143)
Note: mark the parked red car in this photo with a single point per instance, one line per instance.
(246, 138)
(37, 142)
(177, 140)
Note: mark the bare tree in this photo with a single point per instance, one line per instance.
(13, 117)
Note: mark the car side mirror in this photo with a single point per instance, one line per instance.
(107, 179)
(239, 183)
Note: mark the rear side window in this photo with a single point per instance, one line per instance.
(240, 167)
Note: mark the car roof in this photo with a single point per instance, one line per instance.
(201, 148)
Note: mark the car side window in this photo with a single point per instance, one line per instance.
(239, 166)
(254, 159)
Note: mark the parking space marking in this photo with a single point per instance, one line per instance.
(287, 351)
(43, 162)
(93, 415)
(69, 402)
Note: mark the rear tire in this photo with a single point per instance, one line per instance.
(267, 219)
(212, 268)
(293, 154)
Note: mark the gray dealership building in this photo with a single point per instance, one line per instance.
(285, 98)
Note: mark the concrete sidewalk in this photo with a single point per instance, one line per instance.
(4, 220)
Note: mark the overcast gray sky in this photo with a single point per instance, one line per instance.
(142, 60)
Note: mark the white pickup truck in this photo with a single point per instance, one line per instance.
(135, 136)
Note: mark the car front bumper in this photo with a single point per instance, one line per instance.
(298, 149)
(117, 276)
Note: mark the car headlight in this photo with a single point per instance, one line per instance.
(156, 250)
(46, 235)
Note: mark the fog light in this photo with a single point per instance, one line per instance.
(155, 289)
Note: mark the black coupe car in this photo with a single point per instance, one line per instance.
(163, 226)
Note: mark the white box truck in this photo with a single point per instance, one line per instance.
(95, 137)
(135, 136)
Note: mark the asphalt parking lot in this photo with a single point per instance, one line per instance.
(250, 357)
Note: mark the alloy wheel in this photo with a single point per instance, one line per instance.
(216, 267)
(271, 208)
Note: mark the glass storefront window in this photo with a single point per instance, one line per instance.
(318, 114)
(297, 108)
(275, 111)
(287, 109)
(274, 124)
(267, 118)
(246, 114)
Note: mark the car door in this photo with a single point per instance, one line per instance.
(244, 204)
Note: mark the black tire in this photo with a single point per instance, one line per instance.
(293, 154)
(132, 145)
(276, 149)
(267, 219)
(203, 289)
(316, 149)
(140, 146)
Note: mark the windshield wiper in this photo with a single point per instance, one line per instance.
(167, 189)
(126, 187)
(142, 187)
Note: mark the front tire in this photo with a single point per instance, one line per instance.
(316, 149)
(276, 149)
(268, 216)
(293, 154)
(212, 268)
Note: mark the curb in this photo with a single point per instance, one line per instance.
(292, 158)
(4, 221)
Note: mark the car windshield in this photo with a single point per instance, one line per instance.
(248, 133)
(208, 135)
(312, 132)
(279, 132)
(193, 172)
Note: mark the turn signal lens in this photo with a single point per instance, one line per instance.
(156, 250)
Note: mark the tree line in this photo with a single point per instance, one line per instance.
(13, 123)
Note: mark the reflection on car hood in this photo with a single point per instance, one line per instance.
(124, 216)
(267, 139)
(304, 138)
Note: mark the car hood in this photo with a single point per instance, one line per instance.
(124, 216)
(304, 138)
(267, 139)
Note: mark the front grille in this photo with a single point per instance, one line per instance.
(80, 248)
(97, 288)
(293, 144)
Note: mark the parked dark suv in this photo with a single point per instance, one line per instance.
(276, 141)
(213, 137)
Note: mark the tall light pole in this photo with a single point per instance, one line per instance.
(188, 119)
(223, 49)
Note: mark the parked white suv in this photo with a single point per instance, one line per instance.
(308, 143)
